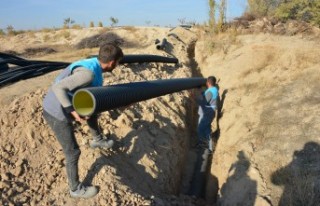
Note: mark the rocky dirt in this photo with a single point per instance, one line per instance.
(267, 144)
(153, 136)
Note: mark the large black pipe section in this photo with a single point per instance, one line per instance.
(147, 58)
(199, 179)
(94, 100)
(162, 45)
(33, 71)
(9, 56)
(142, 58)
(3, 66)
(13, 68)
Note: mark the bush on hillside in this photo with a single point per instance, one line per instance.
(38, 51)
(303, 10)
(99, 39)
(308, 11)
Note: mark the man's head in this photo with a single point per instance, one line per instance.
(109, 56)
(211, 81)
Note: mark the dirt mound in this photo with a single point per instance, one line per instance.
(145, 169)
(100, 39)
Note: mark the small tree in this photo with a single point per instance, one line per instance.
(212, 13)
(148, 22)
(114, 21)
(308, 11)
(100, 24)
(2, 32)
(67, 23)
(182, 21)
(10, 30)
(260, 8)
(91, 24)
(222, 15)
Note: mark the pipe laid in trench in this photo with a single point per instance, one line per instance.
(162, 45)
(147, 58)
(94, 100)
(142, 58)
(198, 183)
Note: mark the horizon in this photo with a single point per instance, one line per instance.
(29, 14)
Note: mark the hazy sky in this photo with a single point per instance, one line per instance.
(37, 14)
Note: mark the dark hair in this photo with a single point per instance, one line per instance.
(109, 52)
(212, 80)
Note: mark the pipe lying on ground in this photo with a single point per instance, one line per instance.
(33, 71)
(3, 66)
(94, 100)
(198, 183)
(142, 58)
(162, 45)
(22, 69)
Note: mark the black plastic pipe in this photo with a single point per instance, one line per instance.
(147, 58)
(142, 58)
(9, 56)
(29, 68)
(199, 179)
(3, 66)
(94, 100)
(24, 74)
(162, 45)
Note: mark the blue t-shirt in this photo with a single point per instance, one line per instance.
(208, 101)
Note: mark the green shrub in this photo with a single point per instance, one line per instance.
(2, 33)
(308, 11)
(76, 26)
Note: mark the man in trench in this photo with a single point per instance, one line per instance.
(59, 112)
(208, 105)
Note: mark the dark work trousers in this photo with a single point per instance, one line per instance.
(206, 117)
(64, 132)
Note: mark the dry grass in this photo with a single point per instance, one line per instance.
(130, 28)
(221, 42)
(265, 58)
(62, 34)
(47, 30)
(46, 38)
(35, 51)
(305, 59)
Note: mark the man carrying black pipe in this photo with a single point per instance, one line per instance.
(208, 105)
(59, 112)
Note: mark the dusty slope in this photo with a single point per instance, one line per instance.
(269, 147)
(153, 134)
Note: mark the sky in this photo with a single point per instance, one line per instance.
(38, 14)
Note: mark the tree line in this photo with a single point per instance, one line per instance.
(304, 10)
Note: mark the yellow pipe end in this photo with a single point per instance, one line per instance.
(83, 103)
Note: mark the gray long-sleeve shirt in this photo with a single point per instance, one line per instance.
(58, 100)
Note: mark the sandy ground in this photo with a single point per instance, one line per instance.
(269, 143)
(153, 135)
(268, 151)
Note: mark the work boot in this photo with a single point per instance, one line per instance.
(84, 191)
(101, 143)
(203, 144)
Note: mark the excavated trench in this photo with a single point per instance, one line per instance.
(196, 178)
(154, 161)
